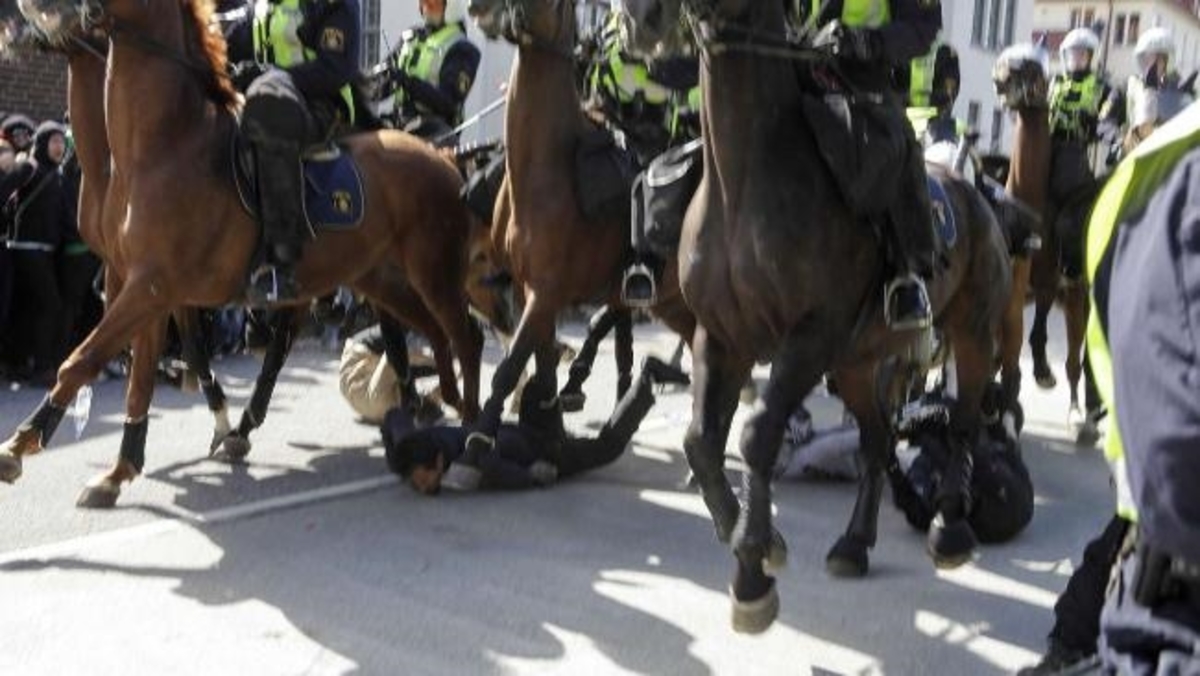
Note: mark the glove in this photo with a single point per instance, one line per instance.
(844, 42)
(246, 72)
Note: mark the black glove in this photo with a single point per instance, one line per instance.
(856, 44)
(246, 72)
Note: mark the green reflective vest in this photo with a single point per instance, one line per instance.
(624, 80)
(422, 59)
(1128, 191)
(859, 13)
(277, 42)
(1074, 106)
(683, 105)
(920, 80)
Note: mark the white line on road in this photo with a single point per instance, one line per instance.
(184, 518)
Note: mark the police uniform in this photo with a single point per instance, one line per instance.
(296, 60)
(431, 74)
(1143, 259)
(872, 39)
(1075, 104)
(932, 86)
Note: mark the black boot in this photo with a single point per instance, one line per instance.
(906, 301)
(662, 373)
(630, 412)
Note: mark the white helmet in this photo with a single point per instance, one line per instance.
(1154, 42)
(1072, 48)
(454, 11)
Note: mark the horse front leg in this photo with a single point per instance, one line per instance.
(858, 388)
(1075, 312)
(1045, 289)
(794, 372)
(138, 305)
(194, 346)
(535, 330)
(1012, 329)
(603, 321)
(103, 490)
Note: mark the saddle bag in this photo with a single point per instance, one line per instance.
(665, 189)
(863, 144)
(604, 173)
(483, 187)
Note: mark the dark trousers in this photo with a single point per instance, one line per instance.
(82, 308)
(36, 321)
(1077, 611)
(1143, 641)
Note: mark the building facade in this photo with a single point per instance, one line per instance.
(980, 30)
(1119, 23)
(36, 87)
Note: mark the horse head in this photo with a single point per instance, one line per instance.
(544, 23)
(1020, 76)
(661, 27)
(56, 20)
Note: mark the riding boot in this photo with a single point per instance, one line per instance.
(906, 300)
(629, 413)
(638, 288)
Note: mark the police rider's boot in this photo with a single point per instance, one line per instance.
(638, 289)
(1057, 660)
(906, 303)
(630, 411)
(662, 373)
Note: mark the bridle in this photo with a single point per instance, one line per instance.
(516, 29)
(716, 35)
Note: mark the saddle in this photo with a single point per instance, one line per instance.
(604, 173)
(333, 196)
(661, 195)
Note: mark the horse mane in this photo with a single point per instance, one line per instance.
(209, 46)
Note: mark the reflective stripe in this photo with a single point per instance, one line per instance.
(1072, 102)
(1128, 191)
(866, 13)
(277, 39)
(17, 245)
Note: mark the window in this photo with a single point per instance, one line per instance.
(1089, 18)
(1131, 32)
(973, 115)
(1075, 17)
(997, 128)
(993, 23)
(370, 33)
(1118, 34)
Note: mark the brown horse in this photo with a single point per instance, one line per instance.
(169, 124)
(1055, 271)
(557, 256)
(776, 266)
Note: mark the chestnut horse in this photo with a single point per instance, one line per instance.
(557, 257)
(776, 266)
(169, 115)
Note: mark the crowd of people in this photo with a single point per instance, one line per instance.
(48, 298)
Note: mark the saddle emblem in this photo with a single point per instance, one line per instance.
(342, 202)
(942, 213)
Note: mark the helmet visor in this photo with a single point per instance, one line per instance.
(1146, 60)
(1077, 59)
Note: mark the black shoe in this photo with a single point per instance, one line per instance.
(271, 284)
(906, 304)
(328, 312)
(662, 373)
(637, 289)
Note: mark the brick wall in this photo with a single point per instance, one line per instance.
(34, 86)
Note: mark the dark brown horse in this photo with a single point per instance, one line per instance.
(776, 266)
(169, 123)
(557, 256)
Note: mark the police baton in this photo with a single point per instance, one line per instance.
(471, 121)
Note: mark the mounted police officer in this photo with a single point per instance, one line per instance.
(933, 84)
(1076, 97)
(870, 40)
(1152, 94)
(1142, 258)
(432, 70)
(295, 60)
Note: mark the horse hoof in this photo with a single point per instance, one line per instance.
(461, 478)
(777, 554)
(99, 494)
(572, 402)
(950, 544)
(1088, 434)
(1045, 379)
(233, 449)
(10, 467)
(847, 558)
(757, 615)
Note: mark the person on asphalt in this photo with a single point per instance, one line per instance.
(535, 452)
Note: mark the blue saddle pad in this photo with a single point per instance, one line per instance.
(942, 212)
(333, 193)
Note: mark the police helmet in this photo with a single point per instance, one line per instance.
(1153, 43)
(1073, 48)
(455, 12)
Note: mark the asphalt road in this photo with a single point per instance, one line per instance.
(311, 559)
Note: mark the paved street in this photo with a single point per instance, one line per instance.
(311, 559)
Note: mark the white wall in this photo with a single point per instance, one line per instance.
(975, 63)
(396, 16)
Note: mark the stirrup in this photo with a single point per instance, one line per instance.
(634, 271)
(890, 289)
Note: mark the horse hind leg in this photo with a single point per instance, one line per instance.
(794, 372)
(1043, 375)
(600, 324)
(860, 390)
(195, 354)
(102, 491)
(1075, 312)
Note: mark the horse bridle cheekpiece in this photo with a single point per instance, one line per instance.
(515, 27)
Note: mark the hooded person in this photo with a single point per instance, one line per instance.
(18, 130)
